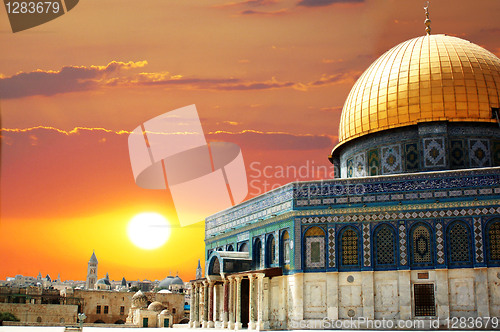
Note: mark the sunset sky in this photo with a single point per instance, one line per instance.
(268, 75)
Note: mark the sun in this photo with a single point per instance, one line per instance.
(148, 230)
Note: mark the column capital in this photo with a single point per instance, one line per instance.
(260, 275)
(251, 276)
(238, 278)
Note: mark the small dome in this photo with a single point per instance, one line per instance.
(165, 312)
(139, 300)
(156, 306)
(165, 291)
(103, 281)
(165, 283)
(177, 281)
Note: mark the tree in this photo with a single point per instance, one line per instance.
(8, 317)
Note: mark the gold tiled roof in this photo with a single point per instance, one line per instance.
(429, 78)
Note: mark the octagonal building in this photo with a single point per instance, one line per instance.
(409, 228)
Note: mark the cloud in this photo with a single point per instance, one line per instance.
(121, 74)
(322, 3)
(249, 139)
(259, 140)
(248, 3)
(68, 79)
(260, 12)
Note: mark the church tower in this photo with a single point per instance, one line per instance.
(199, 273)
(91, 272)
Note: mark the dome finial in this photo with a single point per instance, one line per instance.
(427, 21)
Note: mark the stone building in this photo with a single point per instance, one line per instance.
(156, 313)
(34, 305)
(42, 314)
(408, 230)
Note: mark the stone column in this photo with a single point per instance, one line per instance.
(204, 322)
(192, 306)
(211, 304)
(237, 312)
(197, 301)
(368, 295)
(297, 289)
(260, 301)
(442, 295)
(404, 295)
(218, 305)
(482, 296)
(231, 303)
(225, 307)
(251, 295)
(332, 298)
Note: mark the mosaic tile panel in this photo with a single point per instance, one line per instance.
(351, 216)
(359, 165)
(297, 246)
(384, 242)
(373, 162)
(411, 157)
(277, 246)
(331, 247)
(434, 152)
(478, 240)
(350, 168)
(410, 182)
(496, 152)
(439, 243)
(366, 245)
(421, 245)
(494, 241)
(457, 154)
(315, 255)
(479, 153)
(403, 245)
(459, 244)
(391, 159)
(349, 248)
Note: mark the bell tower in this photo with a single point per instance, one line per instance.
(91, 272)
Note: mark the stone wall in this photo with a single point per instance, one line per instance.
(308, 298)
(42, 314)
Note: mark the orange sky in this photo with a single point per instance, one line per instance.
(269, 75)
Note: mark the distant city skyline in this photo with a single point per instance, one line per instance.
(270, 76)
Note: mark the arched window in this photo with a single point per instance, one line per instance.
(257, 250)
(243, 247)
(385, 247)
(270, 250)
(219, 249)
(285, 248)
(459, 245)
(314, 239)
(229, 247)
(349, 248)
(421, 253)
(214, 267)
(493, 242)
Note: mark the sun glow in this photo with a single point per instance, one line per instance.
(148, 230)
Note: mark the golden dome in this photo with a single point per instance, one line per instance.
(428, 78)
